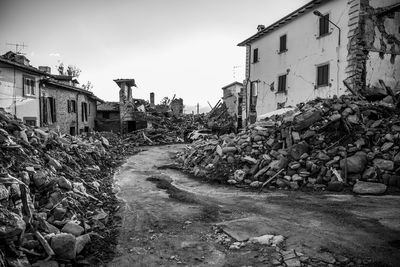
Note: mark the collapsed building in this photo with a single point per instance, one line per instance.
(346, 45)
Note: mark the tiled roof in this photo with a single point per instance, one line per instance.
(282, 21)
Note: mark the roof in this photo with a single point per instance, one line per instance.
(22, 66)
(65, 78)
(108, 106)
(72, 88)
(232, 84)
(129, 82)
(283, 21)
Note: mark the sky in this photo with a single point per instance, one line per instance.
(186, 48)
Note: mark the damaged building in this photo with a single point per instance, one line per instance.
(233, 100)
(346, 45)
(42, 99)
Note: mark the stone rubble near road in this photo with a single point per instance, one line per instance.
(56, 200)
(324, 144)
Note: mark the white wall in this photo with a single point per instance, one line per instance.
(230, 98)
(305, 51)
(15, 101)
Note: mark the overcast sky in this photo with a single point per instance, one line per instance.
(183, 47)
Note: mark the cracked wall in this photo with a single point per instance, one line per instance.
(374, 48)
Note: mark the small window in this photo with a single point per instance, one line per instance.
(282, 43)
(71, 106)
(31, 121)
(323, 75)
(29, 86)
(282, 83)
(84, 112)
(324, 25)
(72, 131)
(106, 115)
(255, 55)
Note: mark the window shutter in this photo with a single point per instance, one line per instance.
(82, 107)
(44, 104)
(69, 106)
(54, 109)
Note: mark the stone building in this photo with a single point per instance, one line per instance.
(311, 52)
(108, 117)
(176, 106)
(233, 100)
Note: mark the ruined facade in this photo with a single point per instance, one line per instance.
(177, 106)
(233, 101)
(311, 51)
(132, 112)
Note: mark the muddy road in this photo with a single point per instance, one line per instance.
(170, 219)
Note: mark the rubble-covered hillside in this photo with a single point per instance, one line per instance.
(325, 143)
(56, 200)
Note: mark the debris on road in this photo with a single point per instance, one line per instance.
(54, 192)
(324, 144)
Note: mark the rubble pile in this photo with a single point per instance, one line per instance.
(323, 144)
(56, 201)
(219, 120)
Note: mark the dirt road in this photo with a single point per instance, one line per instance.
(170, 219)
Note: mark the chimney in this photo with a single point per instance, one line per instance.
(152, 99)
(260, 27)
(46, 69)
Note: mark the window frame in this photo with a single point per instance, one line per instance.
(317, 84)
(284, 90)
(31, 87)
(326, 26)
(255, 55)
(283, 48)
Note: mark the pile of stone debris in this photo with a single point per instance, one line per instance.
(323, 144)
(56, 198)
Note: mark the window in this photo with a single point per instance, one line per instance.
(31, 121)
(323, 75)
(29, 86)
(72, 131)
(71, 106)
(282, 43)
(106, 115)
(324, 25)
(84, 112)
(49, 110)
(255, 55)
(282, 83)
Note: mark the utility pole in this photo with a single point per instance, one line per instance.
(18, 49)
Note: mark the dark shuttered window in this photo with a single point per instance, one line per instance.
(323, 75)
(282, 83)
(282, 43)
(255, 55)
(324, 25)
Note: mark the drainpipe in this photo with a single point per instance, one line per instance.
(77, 114)
(247, 83)
(40, 104)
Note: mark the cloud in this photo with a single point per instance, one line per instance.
(54, 54)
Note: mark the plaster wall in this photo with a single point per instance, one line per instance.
(15, 102)
(306, 50)
(230, 98)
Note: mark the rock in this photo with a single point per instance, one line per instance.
(306, 119)
(72, 228)
(64, 183)
(55, 163)
(64, 245)
(4, 193)
(323, 157)
(386, 146)
(355, 163)
(369, 174)
(105, 142)
(396, 158)
(256, 184)
(386, 165)
(230, 149)
(40, 178)
(298, 150)
(18, 262)
(59, 213)
(81, 242)
(293, 263)
(250, 160)
(11, 224)
(24, 177)
(239, 175)
(219, 150)
(369, 188)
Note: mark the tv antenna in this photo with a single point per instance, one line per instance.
(18, 47)
(235, 70)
